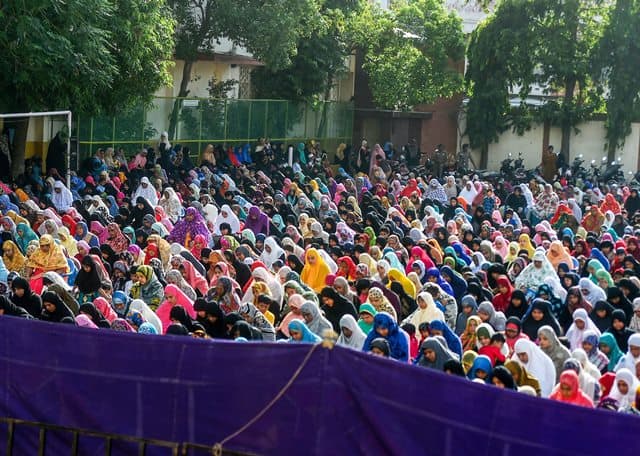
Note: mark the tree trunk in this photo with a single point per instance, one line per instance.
(484, 156)
(323, 117)
(177, 105)
(21, 126)
(611, 151)
(567, 120)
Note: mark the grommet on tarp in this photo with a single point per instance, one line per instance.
(217, 449)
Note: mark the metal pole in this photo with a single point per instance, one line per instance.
(69, 151)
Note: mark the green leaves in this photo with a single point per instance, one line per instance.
(86, 55)
(409, 53)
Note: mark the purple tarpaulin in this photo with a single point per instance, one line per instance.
(343, 402)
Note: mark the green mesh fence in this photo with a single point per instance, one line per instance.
(210, 121)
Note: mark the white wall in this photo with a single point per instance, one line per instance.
(589, 141)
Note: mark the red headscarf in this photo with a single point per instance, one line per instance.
(576, 397)
(501, 301)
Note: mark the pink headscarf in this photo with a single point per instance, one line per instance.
(164, 311)
(103, 306)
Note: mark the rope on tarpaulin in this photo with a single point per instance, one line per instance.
(217, 449)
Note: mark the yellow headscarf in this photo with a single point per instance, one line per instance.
(67, 241)
(163, 246)
(365, 258)
(511, 255)
(16, 262)
(315, 274)
(13, 215)
(407, 285)
(525, 244)
(53, 260)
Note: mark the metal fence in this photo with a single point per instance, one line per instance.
(231, 122)
(32, 437)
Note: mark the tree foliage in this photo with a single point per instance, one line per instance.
(548, 43)
(616, 62)
(320, 59)
(269, 29)
(87, 55)
(410, 52)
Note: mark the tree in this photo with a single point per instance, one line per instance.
(549, 43)
(89, 56)
(616, 63)
(269, 29)
(410, 52)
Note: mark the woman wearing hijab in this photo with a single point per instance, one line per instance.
(581, 323)
(88, 280)
(384, 326)
(568, 390)
(255, 318)
(8, 308)
(24, 236)
(47, 257)
(539, 315)
(54, 310)
(174, 297)
(481, 369)
(271, 252)
(624, 388)
(618, 300)
(426, 312)
(351, 335)
(14, 260)
(96, 317)
(502, 299)
(315, 321)
(224, 295)
(116, 240)
(502, 378)
(535, 273)
(553, 348)
(299, 332)
(434, 355)
(315, 270)
(522, 377)
(257, 221)
(227, 216)
(145, 190)
(335, 307)
(632, 356)
(518, 306)
(147, 287)
(440, 328)
(148, 314)
(609, 347)
(61, 198)
(186, 230)
(535, 361)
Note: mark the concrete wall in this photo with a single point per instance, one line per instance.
(588, 141)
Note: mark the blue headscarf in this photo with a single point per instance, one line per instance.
(459, 249)
(482, 362)
(398, 343)
(307, 335)
(458, 284)
(596, 254)
(453, 341)
(113, 206)
(435, 272)
(121, 303)
(7, 205)
(28, 235)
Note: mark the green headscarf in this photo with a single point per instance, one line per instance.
(366, 308)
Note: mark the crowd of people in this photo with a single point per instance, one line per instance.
(532, 288)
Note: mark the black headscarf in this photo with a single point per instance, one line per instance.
(10, 309)
(603, 323)
(61, 311)
(88, 281)
(530, 326)
(29, 301)
(340, 307)
(623, 303)
(179, 314)
(520, 311)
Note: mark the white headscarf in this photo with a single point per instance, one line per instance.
(148, 193)
(628, 361)
(357, 338)
(574, 334)
(147, 313)
(595, 292)
(468, 194)
(624, 400)
(276, 252)
(63, 200)
(426, 315)
(231, 218)
(539, 364)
